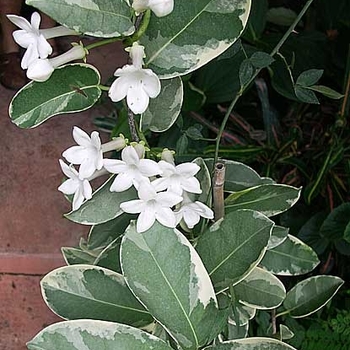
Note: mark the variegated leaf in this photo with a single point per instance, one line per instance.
(94, 335)
(163, 111)
(278, 236)
(109, 257)
(165, 272)
(310, 295)
(97, 18)
(85, 291)
(74, 256)
(193, 34)
(71, 88)
(253, 343)
(233, 246)
(291, 258)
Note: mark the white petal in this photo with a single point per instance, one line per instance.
(133, 207)
(20, 22)
(145, 220)
(130, 156)
(121, 183)
(161, 184)
(168, 199)
(149, 167)
(23, 38)
(67, 170)
(166, 217)
(167, 168)
(191, 218)
(44, 48)
(204, 211)
(146, 191)
(75, 154)
(99, 160)
(118, 89)
(151, 83)
(140, 5)
(95, 139)
(40, 70)
(30, 58)
(187, 169)
(191, 185)
(81, 137)
(87, 190)
(137, 99)
(86, 169)
(35, 20)
(115, 166)
(78, 200)
(69, 186)
(161, 8)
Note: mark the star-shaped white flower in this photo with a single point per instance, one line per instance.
(74, 185)
(138, 85)
(152, 206)
(191, 212)
(160, 8)
(131, 169)
(88, 154)
(178, 178)
(30, 38)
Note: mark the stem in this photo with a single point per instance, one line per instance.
(273, 321)
(132, 126)
(218, 191)
(240, 93)
(101, 43)
(141, 25)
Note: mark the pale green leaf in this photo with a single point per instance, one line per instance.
(166, 274)
(310, 295)
(109, 256)
(285, 332)
(253, 343)
(305, 95)
(261, 59)
(103, 206)
(233, 246)
(309, 77)
(270, 199)
(94, 335)
(236, 332)
(246, 71)
(291, 258)
(73, 256)
(278, 236)
(326, 91)
(71, 88)
(193, 34)
(85, 291)
(97, 18)
(163, 111)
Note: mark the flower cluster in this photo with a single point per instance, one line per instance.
(35, 59)
(164, 189)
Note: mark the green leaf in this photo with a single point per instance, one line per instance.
(163, 111)
(253, 343)
(194, 98)
(278, 236)
(94, 335)
(326, 91)
(97, 18)
(305, 95)
(109, 256)
(193, 34)
(268, 199)
(260, 290)
(71, 88)
(102, 207)
(166, 274)
(85, 291)
(285, 332)
(291, 258)
(257, 20)
(281, 16)
(246, 72)
(261, 59)
(310, 295)
(233, 246)
(74, 256)
(309, 77)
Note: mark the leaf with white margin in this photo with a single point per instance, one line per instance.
(260, 290)
(103, 206)
(163, 111)
(74, 256)
(278, 236)
(291, 258)
(85, 291)
(253, 343)
(195, 32)
(285, 333)
(271, 199)
(109, 257)
(71, 88)
(94, 335)
(310, 295)
(99, 18)
(166, 274)
(236, 332)
(232, 247)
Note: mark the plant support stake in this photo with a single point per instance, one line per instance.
(218, 191)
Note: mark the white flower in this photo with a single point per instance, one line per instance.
(131, 169)
(178, 178)
(30, 38)
(41, 69)
(74, 185)
(134, 82)
(88, 154)
(152, 206)
(191, 212)
(160, 8)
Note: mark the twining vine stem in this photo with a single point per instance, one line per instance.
(243, 88)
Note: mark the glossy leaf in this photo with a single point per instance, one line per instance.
(278, 236)
(94, 335)
(71, 88)
(85, 291)
(310, 295)
(253, 343)
(268, 199)
(102, 207)
(260, 290)
(291, 258)
(193, 34)
(163, 111)
(233, 246)
(97, 18)
(166, 274)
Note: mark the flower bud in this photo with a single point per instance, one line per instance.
(168, 156)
